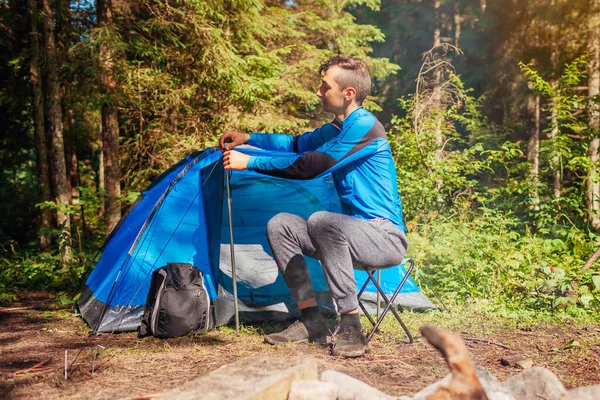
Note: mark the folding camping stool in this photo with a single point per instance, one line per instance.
(389, 302)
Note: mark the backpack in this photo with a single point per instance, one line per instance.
(177, 303)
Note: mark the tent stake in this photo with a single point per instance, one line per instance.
(231, 245)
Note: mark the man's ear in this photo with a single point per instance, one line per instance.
(350, 93)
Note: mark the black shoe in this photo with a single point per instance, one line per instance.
(295, 333)
(349, 341)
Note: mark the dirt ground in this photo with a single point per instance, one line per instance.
(35, 333)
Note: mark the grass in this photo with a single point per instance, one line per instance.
(477, 317)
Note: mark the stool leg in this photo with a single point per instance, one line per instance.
(364, 310)
(378, 296)
(389, 304)
(362, 307)
(387, 308)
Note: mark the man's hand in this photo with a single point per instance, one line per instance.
(235, 160)
(232, 138)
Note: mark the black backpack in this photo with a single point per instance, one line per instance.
(177, 303)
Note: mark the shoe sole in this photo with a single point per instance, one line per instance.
(348, 354)
(273, 342)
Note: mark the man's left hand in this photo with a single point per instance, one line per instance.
(235, 160)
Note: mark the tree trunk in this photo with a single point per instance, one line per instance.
(437, 90)
(63, 30)
(110, 123)
(556, 159)
(593, 184)
(457, 24)
(39, 128)
(533, 149)
(72, 162)
(55, 130)
(437, 97)
(101, 179)
(70, 150)
(437, 32)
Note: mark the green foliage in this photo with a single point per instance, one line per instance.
(34, 269)
(188, 70)
(27, 270)
(481, 227)
(17, 189)
(488, 258)
(561, 154)
(434, 179)
(183, 72)
(470, 227)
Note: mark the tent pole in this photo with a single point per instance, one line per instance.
(231, 245)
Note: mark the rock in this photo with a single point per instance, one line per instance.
(525, 363)
(424, 393)
(492, 386)
(534, 384)
(517, 361)
(583, 393)
(500, 395)
(431, 389)
(353, 389)
(251, 378)
(313, 390)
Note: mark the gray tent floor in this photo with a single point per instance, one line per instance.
(224, 307)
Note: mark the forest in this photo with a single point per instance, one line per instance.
(491, 108)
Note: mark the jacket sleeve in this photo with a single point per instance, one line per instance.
(308, 141)
(366, 136)
(272, 141)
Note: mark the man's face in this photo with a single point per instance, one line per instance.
(333, 98)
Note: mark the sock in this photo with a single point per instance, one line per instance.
(351, 320)
(310, 314)
(311, 318)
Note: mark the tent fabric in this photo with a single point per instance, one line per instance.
(182, 217)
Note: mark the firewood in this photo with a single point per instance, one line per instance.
(464, 384)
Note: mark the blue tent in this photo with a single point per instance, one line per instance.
(180, 218)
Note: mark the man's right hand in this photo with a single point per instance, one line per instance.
(232, 138)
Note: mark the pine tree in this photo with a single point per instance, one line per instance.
(110, 120)
(38, 123)
(55, 133)
(593, 179)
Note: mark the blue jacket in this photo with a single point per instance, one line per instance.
(355, 152)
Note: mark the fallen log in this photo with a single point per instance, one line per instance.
(592, 259)
(464, 384)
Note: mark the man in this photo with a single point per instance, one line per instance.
(370, 232)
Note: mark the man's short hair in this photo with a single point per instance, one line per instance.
(355, 73)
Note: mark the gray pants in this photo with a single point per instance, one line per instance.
(341, 243)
